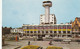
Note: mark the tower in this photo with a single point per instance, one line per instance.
(47, 18)
(47, 5)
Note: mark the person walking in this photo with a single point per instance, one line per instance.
(28, 42)
(50, 43)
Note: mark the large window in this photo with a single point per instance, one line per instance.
(31, 31)
(50, 31)
(27, 31)
(68, 31)
(64, 26)
(38, 31)
(42, 31)
(55, 32)
(59, 27)
(46, 31)
(68, 26)
(55, 26)
(34, 31)
(59, 31)
(64, 31)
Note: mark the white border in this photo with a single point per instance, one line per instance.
(0, 24)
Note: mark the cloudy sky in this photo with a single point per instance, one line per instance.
(15, 13)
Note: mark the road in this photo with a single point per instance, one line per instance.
(44, 44)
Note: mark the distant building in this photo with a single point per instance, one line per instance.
(76, 27)
(17, 30)
(6, 30)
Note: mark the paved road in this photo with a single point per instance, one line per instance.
(44, 44)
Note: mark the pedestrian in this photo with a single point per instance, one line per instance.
(28, 42)
(50, 43)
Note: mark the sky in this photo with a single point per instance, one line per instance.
(15, 13)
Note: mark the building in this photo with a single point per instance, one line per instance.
(52, 19)
(47, 26)
(6, 30)
(47, 18)
(56, 30)
(17, 31)
(76, 27)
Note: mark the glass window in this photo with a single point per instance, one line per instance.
(59, 31)
(38, 31)
(59, 27)
(64, 26)
(68, 31)
(46, 31)
(50, 31)
(55, 26)
(68, 26)
(54, 31)
(42, 31)
(27, 31)
(64, 31)
(31, 31)
(34, 31)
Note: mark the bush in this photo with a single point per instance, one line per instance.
(53, 47)
(31, 47)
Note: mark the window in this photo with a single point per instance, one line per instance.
(34, 31)
(52, 14)
(64, 31)
(54, 31)
(41, 18)
(31, 31)
(42, 31)
(50, 31)
(27, 31)
(38, 31)
(51, 22)
(46, 31)
(59, 31)
(75, 29)
(68, 31)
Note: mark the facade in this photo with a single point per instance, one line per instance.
(6, 30)
(17, 30)
(57, 30)
(76, 27)
(52, 19)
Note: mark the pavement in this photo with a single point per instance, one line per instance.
(44, 44)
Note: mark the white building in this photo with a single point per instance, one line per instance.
(47, 18)
(17, 30)
(52, 19)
